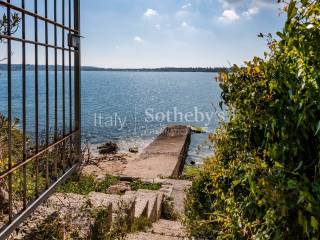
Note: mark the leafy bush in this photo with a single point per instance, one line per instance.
(189, 172)
(84, 184)
(263, 182)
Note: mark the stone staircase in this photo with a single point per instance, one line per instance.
(75, 213)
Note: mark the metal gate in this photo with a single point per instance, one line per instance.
(41, 150)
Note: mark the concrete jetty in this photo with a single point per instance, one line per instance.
(164, 157)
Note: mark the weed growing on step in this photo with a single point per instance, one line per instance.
(138, 184)
(100, 230)
(85, 184)
(53, 228)
(168, 212)
(122, 222)
(141, 224)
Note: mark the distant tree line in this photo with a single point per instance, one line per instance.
(30, 67)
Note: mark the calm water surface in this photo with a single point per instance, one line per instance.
(128, 107)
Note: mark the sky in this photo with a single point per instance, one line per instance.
(160, 33)
(175, 33)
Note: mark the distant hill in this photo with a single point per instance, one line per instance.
(29, 67)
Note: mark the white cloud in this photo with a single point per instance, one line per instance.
(186, 6)
(233, 3)
(151, 13)
(158, 26)
(138, 39)
(229, 15)
(253, 6)
(186, 27)
(182, 13)
(250, 12)
(184, 24)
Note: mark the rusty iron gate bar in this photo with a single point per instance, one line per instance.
(66, 145)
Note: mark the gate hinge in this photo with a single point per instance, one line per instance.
(74, 41)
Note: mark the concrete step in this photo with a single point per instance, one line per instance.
(120, 204)
(142, 204)
(148, 203)
(176, 190)
(168, 228)
(161, 230)
(150, 236)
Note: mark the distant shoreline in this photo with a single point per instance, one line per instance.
(30, 67)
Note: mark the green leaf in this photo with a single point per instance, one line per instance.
(292, 10)
(278, 165)
(264, 165)
(221, 105)
(314, 223)
(281, 35)
(292, 184)
(235, 182)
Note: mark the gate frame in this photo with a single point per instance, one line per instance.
(75, 134)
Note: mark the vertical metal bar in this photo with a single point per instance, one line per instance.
(24, 180)
(47, 90)
(70, 88)
(55, 87)
(9, 112)
(36, 94)
(63, 73)
(70, 76)
(63, 86)
(77, 79)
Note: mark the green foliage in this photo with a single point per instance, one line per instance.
(189, 172)
(17, 142)
(141, 224)
(138, 184)
(14, 22)
(16, 157)
(168, 212)
(263, 182)
(84, 184)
